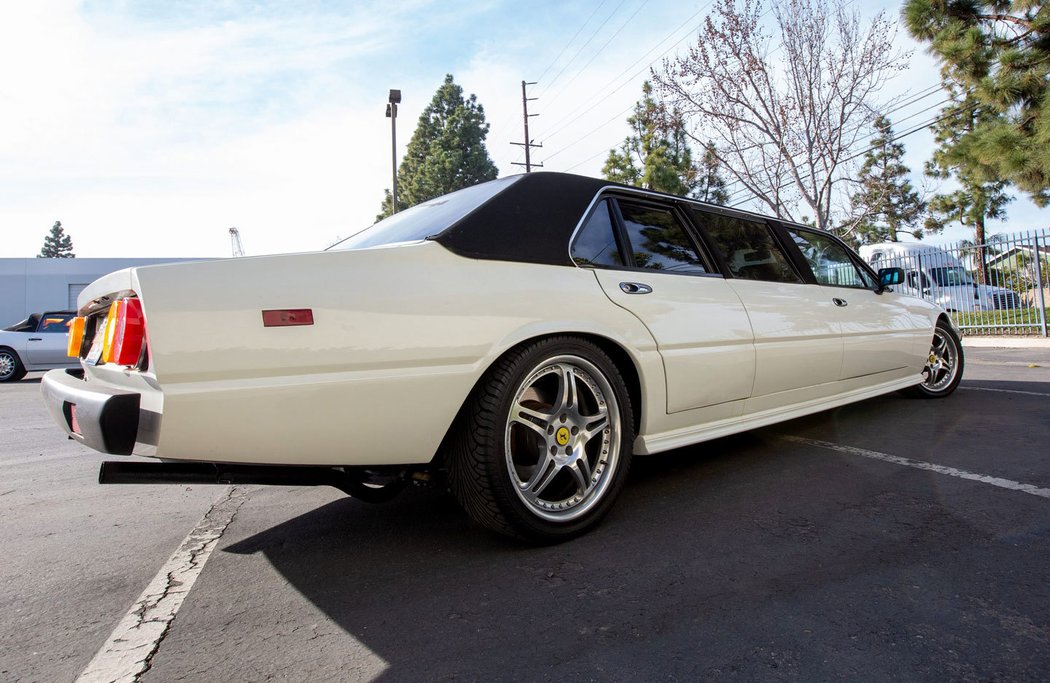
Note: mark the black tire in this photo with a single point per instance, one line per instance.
(944, 367)
(572, 416)
(11, 368)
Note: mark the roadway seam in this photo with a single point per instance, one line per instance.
(128, 652)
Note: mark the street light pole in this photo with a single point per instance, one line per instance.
(391, 113)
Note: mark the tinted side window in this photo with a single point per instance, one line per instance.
(829, 260)
(749, 248)
(596, 243)
(658, 240)
(55, 322)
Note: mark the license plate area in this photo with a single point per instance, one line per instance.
(94, 354)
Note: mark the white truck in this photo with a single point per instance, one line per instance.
(936, 275)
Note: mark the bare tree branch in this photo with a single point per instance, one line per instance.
(786, 125)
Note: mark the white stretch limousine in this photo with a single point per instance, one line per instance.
(525, 338)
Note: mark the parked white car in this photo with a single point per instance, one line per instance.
(525, 338)
(934, 274)
(36, 343)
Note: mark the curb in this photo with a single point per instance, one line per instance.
(1006, 342)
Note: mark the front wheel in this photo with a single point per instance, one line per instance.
(11, 368)
(944, 365)
(545, 443)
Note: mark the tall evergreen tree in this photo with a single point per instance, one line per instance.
(710, 184)
(997, 53)
(447, 151)
(886, 201)
(57, 244)
(656, 156)
(977, 198)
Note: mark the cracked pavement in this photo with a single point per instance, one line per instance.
(136, 639)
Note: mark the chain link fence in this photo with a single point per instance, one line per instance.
(998, 288)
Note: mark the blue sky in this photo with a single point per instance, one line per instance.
(150, 128)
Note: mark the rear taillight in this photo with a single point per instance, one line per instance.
(76, 337)
(124, 332)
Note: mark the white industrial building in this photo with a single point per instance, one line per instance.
(34, 285)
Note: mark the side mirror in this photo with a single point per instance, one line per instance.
(890, 276)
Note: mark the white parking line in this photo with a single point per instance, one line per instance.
(129, 651)
(920, 465)
(1005, 391)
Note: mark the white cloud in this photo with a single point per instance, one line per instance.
(152, 134)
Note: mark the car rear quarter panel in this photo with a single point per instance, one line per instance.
(400, 337)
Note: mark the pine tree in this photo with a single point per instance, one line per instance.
(57, 244)
(977, 198)
(447, 151)
(886, 201)
(997, 54)
(656, 156)
(710, 185)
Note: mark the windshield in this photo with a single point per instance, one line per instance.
(950, 276)
(427, 219)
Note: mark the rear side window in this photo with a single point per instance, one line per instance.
(55, 322)
(427, 219)
(749, 248)
(596, 244)
(658, 240)
(830, 261)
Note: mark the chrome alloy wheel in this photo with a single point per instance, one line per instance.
(7, 365)
(562, 438)
(943, 363)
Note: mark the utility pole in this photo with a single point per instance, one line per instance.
(528, 144)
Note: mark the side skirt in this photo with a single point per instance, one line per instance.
(656, 443)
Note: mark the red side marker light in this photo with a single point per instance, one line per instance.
(288, 317)
(74, 426)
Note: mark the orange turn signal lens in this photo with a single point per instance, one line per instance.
(109, 332)
(76, 337)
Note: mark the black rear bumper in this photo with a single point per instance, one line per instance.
(106, 419)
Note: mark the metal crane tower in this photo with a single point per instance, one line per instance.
(235, 242)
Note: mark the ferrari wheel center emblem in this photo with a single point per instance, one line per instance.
(562, 436)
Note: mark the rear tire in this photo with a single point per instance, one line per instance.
(544, 445)
(944, 366)
(11, 368)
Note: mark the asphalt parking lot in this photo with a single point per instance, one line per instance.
(891, 539)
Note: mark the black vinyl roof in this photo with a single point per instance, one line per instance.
(531, 220)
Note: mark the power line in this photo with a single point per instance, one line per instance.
(582, 47)
(569, 119)
(916, 129)
(602, 48)
(564, 121)
(563, 49)
(923, 94)
(566, 46)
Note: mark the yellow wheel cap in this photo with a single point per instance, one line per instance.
(562, 436)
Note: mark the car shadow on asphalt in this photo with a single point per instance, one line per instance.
(712, 555)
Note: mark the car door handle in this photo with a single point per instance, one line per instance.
(36, 339)
(635, 288)
(839, 302)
